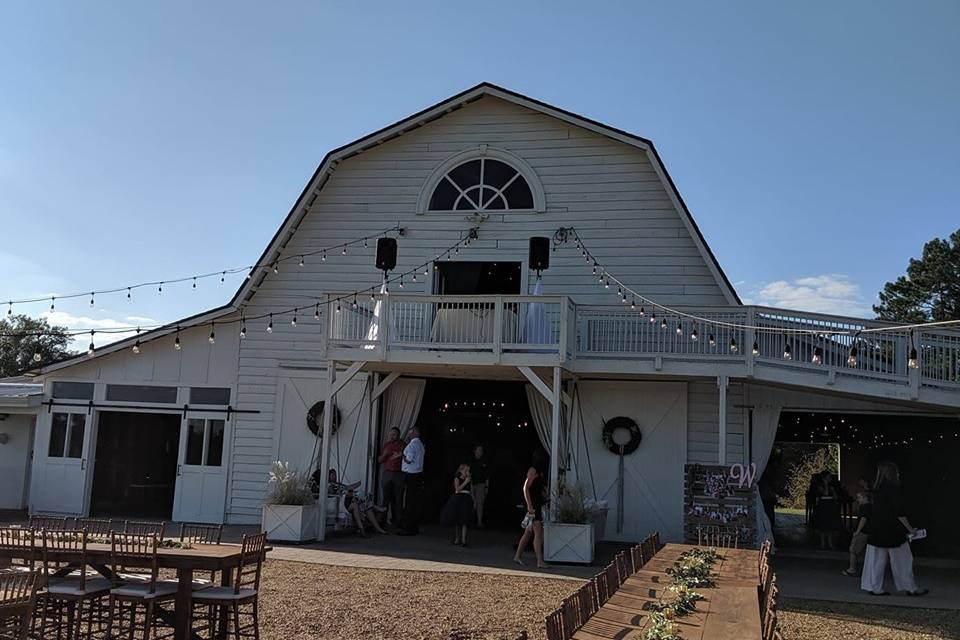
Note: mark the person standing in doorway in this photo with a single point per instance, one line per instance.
(534, 491)
(480, 473)
(391, 476)
(887, 529)
(412, 467)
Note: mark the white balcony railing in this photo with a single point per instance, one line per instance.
(384, 325)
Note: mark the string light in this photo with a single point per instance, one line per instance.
(353, 304)
(316, 312)
(817, 355)
(176, 340)
(136, 347)
(92, 349)
(160, 288)
(128, 293)
(733, 345)
(679, 329)
(223, 277)
(270, 324)
(243, 328)
(301, 261)
(91, 298)
(276, 268)
(756, 349)
(338, 306)
(852, 357)
(912, 360)
(712, 340)
(52, 302)
(787, 351)
(293, 320)
(663, 323)
(694, 335)
(323, 257)
(194, 283)
(212, 338)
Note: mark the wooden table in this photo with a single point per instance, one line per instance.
(201, 557)
(730, 610)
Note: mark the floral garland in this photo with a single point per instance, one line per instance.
(691, 570)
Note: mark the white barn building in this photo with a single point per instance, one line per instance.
(190, 433)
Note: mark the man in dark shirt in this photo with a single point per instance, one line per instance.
(391, 478)
(480, 473)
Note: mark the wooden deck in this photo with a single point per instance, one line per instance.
(730, 610)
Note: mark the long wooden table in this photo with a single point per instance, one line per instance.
(201, 557)
(730, 609)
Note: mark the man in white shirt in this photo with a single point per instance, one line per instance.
(412, 467)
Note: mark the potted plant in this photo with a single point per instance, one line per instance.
(571, 537)
(290, 513)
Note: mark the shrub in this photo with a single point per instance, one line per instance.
(288, 486)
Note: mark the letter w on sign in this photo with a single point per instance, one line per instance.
(744, 475)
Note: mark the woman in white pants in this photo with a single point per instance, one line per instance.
(887, 529)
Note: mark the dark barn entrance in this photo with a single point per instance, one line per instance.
(458, 414)
(135, 472)
(850, 446)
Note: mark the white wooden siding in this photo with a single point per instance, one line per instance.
(703, 416)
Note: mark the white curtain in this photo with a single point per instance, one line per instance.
(537, 325)
(373, 331)
(766, 418)
(401, 405)
(540, 411)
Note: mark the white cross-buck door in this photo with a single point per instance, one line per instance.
(201, 470)
(61, 464)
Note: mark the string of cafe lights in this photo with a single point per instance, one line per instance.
(846, 433)
(639, 302)
(273, 265)
(293, 312)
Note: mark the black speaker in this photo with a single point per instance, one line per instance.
(386, 254)
(539, 259)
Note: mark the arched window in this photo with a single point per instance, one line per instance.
(483, 184)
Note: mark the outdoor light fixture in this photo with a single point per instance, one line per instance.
(733, 345)
(817, 355)
(756, 349)
(912, 361)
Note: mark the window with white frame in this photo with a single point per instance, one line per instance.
(483, 184)
(205, 442)
(66, 435)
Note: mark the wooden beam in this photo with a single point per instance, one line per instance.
(351, 371)
(386, 382)
(537, 383)
(555, 443)
(325, 446)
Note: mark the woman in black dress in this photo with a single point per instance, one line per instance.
(459, 510)
(533, 497)
(826, 511)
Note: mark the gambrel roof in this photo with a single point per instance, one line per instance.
(332, 159)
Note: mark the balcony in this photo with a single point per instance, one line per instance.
(553, 331)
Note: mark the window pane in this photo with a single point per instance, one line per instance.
(73, 390)
(203, 395)
(496, 173)
(141, 393)
(518, 195)
(78, 424)
(215, 445)
(194, 441)
(443, 196)
(467, 174)
(496, 203)
(58, 435)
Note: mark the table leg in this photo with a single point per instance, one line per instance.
(184, 604)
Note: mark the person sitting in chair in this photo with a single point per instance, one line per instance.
(358, 504)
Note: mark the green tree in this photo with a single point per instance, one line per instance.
(26, 343)
(930, 290)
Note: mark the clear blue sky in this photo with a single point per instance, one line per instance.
(817, 145)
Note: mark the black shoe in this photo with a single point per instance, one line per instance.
(918, 592)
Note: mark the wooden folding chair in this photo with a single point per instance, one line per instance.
(50, 523)
(649, 548)
(554, 623)
(571, 616)
(135, 606)
(19, 545)
(201, 533)
(600, 583)
(623, 566)
(18, 597)
(636, 557)
(144, 528)
(73, 603)
(587, 596)
(236, 606)
(656, 541)
(613, 578)
(95, 527)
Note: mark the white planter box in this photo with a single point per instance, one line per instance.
(291, 523)
(568, 542)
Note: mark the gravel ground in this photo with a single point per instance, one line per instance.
(300, 601)
(819, 620)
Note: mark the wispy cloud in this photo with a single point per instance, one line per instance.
(87, 323)
(828, 293)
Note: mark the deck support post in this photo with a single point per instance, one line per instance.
(325, 447)
(722, 382)
(555, 402)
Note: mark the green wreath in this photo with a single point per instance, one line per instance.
(621, 422)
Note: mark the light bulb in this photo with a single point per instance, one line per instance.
(401, 283)
(663, 323)
(694, 335)
(223, 276)
(276, 268)
(679, 329)
(852, 358)
(52, 303)
(354, 303)
(733, 346)
(338, 306)
(913, 362)
(633, 304)
(91, 299)
(787, 352)
(160, 288)
(414, 277)
(426, 271)
(211, 338)
(712, 340)
(243, 331)
(756, 349)
(344, 252)
(817, 357)
(316, 312)
(323, 256)
(270, 324)
(643, 312)
(128, 292)
(136, 347)
(176, 342)
(301, 261)
(194, 283)
(293, 320)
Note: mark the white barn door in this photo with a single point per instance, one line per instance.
(201, 488)
(653, 474)
(62, 463)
